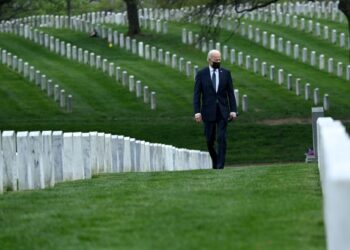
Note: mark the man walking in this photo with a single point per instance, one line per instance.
(214, 103)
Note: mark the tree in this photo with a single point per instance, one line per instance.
(344, 6)
(133, 17)
(69, 8)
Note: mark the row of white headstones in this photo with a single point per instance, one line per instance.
(269, 41)
(256, 66)
(29, 72)
(262, 37)
(36, 160)
(72, 52)
(333, 162)
(314, 9)
(320, 10)
(145, 51)
(317, 9)
(299, 23)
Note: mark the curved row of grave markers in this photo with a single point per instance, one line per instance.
(72, 52)
(36, 160)
(274, 43)
(187, 38)
(144, 51)
(333, 144)
(29, 72)
(306, 25)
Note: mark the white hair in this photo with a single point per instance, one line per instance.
(211, 52)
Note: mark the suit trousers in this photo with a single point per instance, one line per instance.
(216, 130)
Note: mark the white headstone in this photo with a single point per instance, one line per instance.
(9, 160)
(272, 42)
(47, 159)
(304, 57)
(322, 62)
(57, 151)
(313, 58)
(35, 160)
(25, 180)
(297, 87)
(67, 157)
(245, 103)
(340, 69)
(272, 73)
(307, 91)
(330, 65)
(280, 76)
(77, 157)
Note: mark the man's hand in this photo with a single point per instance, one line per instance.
(233, 116)
(198, 117)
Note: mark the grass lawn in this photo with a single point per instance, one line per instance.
(101, 104)
(265, 207)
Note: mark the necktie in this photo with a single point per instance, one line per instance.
(213, 79)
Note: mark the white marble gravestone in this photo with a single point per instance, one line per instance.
(57, 151)
(86, 154)
(93, 153)
(147, 52)
(36, 166)
(340, 69)
(322, 62)
(127, 162)
(1, 170)
(304, 56)
(146, 94)
(9, 159)
(280, 76)
(153, 53)
(47, 159)
(307, 91)
(316, 96)
(77, 157)
(264, 69)
(67, 157)
(25, 179)
(330, 65)
(115, 165)
(100, 152)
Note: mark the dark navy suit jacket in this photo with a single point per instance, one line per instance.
(205, 98)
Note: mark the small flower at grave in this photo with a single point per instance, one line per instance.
(310, 152)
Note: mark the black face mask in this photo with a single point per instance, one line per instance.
(216, 65)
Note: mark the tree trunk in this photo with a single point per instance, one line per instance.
(69, 9)
(133, 17)
(344, 6)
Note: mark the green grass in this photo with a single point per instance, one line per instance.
(266, 207)
(102, 104)
(259, 89)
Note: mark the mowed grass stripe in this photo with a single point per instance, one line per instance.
(172, 87)
(258, 89)
(337, 88)
(18, 98)
(162, 81)
(269, 207)
(248, 142)
(93, 91)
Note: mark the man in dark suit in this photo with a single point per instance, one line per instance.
(214, 103)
